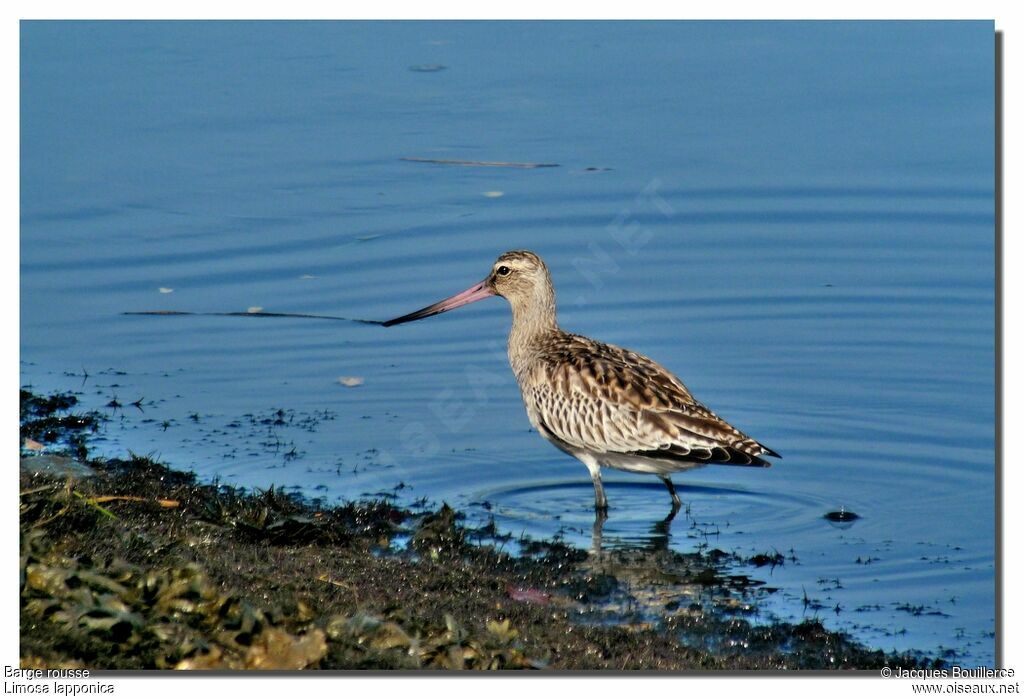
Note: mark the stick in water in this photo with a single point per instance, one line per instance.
(258, 314)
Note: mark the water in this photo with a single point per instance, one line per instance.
(797, 218)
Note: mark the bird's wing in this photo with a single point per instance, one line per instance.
(603, 398)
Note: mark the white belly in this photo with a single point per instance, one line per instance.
(640, 464)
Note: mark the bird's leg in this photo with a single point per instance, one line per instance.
(600, 501)
(676, 502)
(597, 532)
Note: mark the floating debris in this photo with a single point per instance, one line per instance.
(166, 290)
(158, 313)
(428, 68)
(767, 559)
(478, 163)
(42, 422)
(494, 194)
(841, 519)
(350, 381)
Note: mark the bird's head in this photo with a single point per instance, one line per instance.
(519, 276)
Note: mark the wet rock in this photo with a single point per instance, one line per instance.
(55, 466)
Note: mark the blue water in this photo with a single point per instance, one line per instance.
(797, 218)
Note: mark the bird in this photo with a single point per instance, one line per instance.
(602, 404)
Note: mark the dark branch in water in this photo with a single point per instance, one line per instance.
(258, 314)
(478, 163)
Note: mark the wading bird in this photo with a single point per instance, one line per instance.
(605, 405)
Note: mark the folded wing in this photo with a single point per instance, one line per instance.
(606, 399)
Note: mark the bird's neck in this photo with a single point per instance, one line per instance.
(532, 322)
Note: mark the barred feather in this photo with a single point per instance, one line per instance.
(605, 399)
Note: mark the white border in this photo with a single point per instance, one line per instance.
(1006, 22)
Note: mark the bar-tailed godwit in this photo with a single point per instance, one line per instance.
(605, 405)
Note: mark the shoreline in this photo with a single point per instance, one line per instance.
(130, 564)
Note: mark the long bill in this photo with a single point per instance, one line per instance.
(473, 293)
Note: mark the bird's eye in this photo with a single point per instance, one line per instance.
(504, 271)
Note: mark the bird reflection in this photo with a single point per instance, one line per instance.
(657, 540)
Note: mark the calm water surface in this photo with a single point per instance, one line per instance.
(795, 218)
